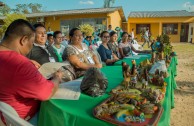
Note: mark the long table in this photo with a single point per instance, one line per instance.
(80, 112)
(137, 58)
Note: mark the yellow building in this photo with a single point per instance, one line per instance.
(65, 20)
(179, 25)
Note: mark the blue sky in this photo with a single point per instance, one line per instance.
(128, 5)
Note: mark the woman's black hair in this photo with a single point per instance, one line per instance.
(124, 33)
(102, 33)
(71, 33)
(112, 33)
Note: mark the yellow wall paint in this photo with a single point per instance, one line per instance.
(154, 30)
(156, 25)
(125, 26)
(132, 26)
(115, 20)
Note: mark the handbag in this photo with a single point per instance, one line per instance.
(49, 68)
(94, 83)
(69, 73)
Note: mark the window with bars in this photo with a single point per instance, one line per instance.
(141, 28)
(170, 28)
(69, 24)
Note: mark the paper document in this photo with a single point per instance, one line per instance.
(68, 90)
(136, 56)
(49, 68)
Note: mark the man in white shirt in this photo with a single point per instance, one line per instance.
(132, 34)
(146, 38)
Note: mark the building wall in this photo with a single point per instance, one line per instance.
(125, 26)
(132, 26)
(54, 21)
(154, 30)
(156, 25)
(115, 20)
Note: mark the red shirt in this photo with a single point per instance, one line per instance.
(21, 84)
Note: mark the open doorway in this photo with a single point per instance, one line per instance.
(184, 32)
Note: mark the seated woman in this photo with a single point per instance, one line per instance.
(78, 53)
(126, 47)
(57, 46)
(106, 54)
(113, 44)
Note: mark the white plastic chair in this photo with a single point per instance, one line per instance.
(11, 117)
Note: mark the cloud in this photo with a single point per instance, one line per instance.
(189, 6)
(87, 2)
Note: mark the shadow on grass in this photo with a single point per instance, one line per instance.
(185, 87)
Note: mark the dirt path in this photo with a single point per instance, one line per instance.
(183, 113)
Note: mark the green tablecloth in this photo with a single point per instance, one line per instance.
(137, 58)
(79, 113)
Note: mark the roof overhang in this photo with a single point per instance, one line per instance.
(121, 12)
(75, 12)
(189, 20)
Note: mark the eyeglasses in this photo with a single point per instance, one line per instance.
(106, 36)
(89, 37)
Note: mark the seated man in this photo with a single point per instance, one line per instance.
(22, 86)
(40, 52)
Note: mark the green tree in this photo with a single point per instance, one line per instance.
(35, 8)
(7, 21)
(165, 40)
(27, 8)
(108, 3)
(21, 9)
(5, 9)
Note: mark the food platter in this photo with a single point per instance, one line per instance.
(126, 114)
